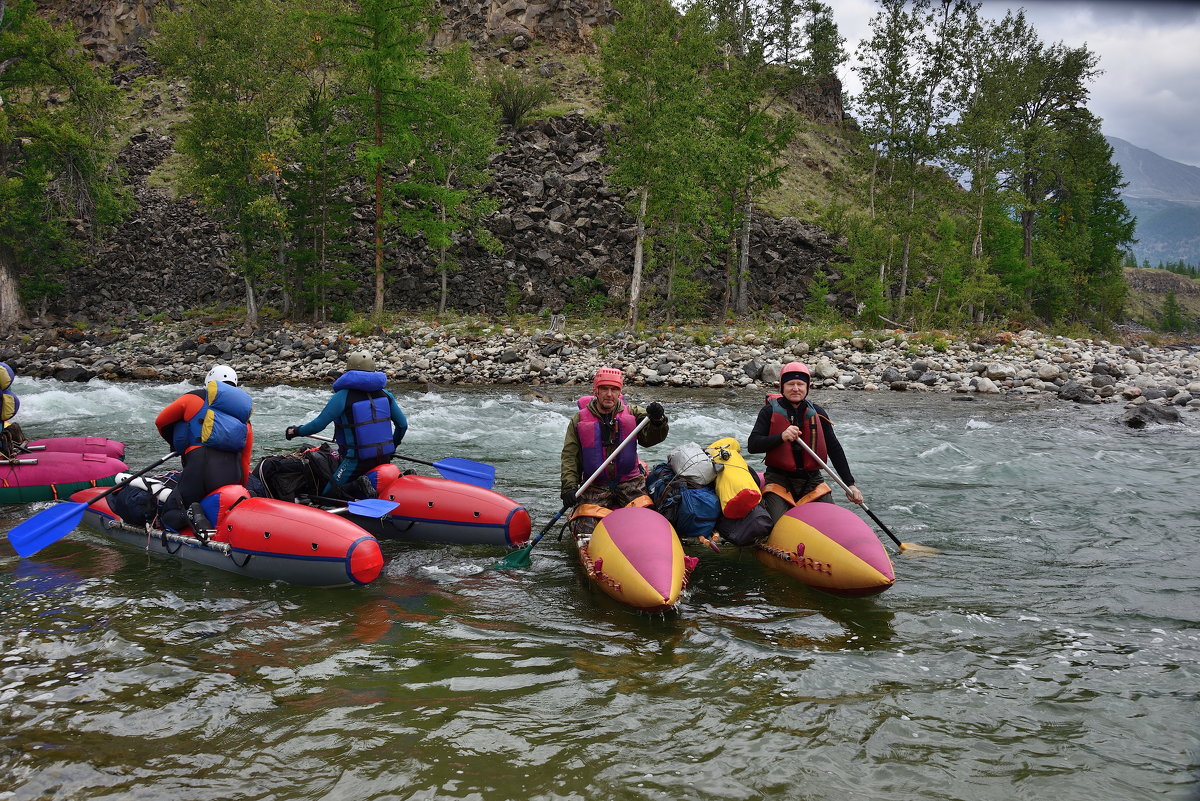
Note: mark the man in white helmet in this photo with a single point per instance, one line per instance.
(210, 428)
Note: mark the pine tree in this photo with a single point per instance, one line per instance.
(320, 212)
(1050, 84)
(448, 177)
(1172, 317)
(381, 48)
(56, 155)
(242, 60)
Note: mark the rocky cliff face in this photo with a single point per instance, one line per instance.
(1160, 282)
(108, 28)
(567, 233)
(565, 23)
(567, 236)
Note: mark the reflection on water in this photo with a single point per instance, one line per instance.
(1049, 650)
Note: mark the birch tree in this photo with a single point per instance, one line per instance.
(653, 66)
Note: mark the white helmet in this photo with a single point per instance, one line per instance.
(221, 373)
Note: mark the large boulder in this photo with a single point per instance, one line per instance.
(1150, 414)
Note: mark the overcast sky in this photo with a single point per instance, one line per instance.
(1149, 92)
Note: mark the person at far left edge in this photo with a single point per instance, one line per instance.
(210, 428)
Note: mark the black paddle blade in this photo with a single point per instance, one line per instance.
(46, 527)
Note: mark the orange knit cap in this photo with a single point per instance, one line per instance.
(608, 377)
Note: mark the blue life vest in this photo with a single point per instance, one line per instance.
(222, 422)
(364, 430)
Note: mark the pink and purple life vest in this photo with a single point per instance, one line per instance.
(594, 448)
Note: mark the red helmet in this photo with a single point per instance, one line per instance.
(608, 377)
(795, 370)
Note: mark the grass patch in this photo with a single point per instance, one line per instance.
(817, 164)
(168, 176)
(1148, 296)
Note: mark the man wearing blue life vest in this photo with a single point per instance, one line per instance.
(210, 427)
(787, 417)
(367, 422)
(602, 422)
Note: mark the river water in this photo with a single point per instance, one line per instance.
(1051, 650)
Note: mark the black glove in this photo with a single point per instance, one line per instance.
(568, 497)
(656, 413)
(291, 432)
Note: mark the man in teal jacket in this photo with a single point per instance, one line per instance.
(368, 424)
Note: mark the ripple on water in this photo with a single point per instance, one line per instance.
(1049, 650)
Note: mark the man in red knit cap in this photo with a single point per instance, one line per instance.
(603, 420)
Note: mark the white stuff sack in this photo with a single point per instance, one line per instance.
(693, 464)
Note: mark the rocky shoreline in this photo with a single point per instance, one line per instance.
(1157, 381)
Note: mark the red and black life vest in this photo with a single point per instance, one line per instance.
(783, 456)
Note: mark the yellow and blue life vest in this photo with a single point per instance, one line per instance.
(222, 422)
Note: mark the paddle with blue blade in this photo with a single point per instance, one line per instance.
(372, 507)
(462, 470)
(520, 557)
(366, 507)
(51, 525)
(453, 468)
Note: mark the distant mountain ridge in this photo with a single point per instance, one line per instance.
(1164, 195)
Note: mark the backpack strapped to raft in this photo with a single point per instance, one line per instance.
(692, 510)
(306, 472)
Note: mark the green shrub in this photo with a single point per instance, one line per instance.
(586, 295)
(516, 95)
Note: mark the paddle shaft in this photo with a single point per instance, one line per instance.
(833, 474)
(51, 525)
(394, 455)
(454, 469)
(632, 435)
(138, 474)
